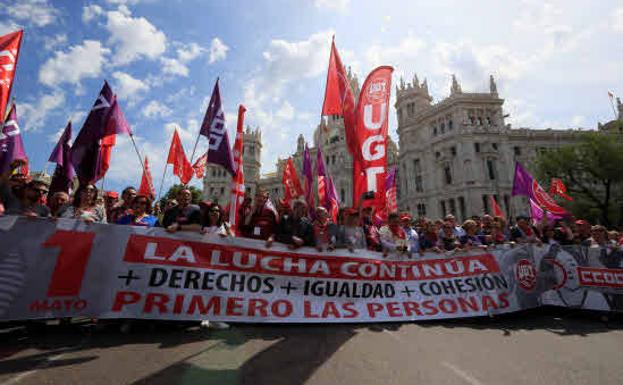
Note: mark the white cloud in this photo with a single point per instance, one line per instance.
(173, 67)
(32, 116)
(155, 109)
(408, 50)
(90, 12)
(80, 61)
(7, 27)
(134, 37)
(35, 12)
(332, 5)
(51, 43)
(127, 86)
(286, 111)
(218, 50)
(617, 20)
(189, 52)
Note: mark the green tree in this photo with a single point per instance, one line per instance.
(591, 170)
(172, 193)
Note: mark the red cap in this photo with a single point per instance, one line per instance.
(111, 194)
(405, 217)
(581, 222)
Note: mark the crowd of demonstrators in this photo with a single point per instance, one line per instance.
(297, 225)
(292, 223)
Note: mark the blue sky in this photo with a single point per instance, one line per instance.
(553, 61)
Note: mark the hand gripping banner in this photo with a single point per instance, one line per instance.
(66, 268)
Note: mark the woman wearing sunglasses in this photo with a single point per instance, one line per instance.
(141, 213)
(84, 206)
(213, 223)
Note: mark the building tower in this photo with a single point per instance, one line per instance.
(217, 181)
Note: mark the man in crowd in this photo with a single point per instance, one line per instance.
(582, 234)
(294, 230)
(394, 237)
(111, 198)
(57, 203)
(456, 229)
(124, 207)
(260, 221)
(22, 197)
(185, 216)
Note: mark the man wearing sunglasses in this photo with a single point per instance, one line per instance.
(27, 201)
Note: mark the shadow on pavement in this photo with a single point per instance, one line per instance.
(297, 352)
(296, 355)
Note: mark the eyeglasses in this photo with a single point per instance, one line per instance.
(40, 190)
(214, 211)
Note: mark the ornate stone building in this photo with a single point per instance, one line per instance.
(454, 154)
(457, 153)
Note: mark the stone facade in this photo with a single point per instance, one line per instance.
(457, 153)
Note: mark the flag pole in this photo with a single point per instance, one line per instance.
(611, 97)
(192, 155)
(140, 159)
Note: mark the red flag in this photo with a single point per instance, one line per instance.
(291, 182)
(333, 205)
(200, 166)
(370, 167)
(147, 184)
(9, 53)
(237, 189)
(557, 187)
(177, 157)
(497, 211)
(339, 99)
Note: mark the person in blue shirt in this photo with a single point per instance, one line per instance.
(141, 213)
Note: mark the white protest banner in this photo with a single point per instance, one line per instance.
(65, 268)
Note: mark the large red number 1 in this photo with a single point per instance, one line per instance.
(71, 262)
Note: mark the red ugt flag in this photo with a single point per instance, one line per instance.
(147, 184)
(9, 52)
(291, 183)
(177, 157)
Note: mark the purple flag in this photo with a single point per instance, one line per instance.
(309, 179)
(524, 184)
(213, 128)
(537, 213)
(85, 151)
(11, 145)
(64, 172)
(321, 171)
(390, 179)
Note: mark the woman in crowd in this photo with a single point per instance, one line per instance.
(351, 234)
(325, 232)
(84, 206)
(470, 239)
(141, 213)
(448, 239)
(212, 221)
(429, 235)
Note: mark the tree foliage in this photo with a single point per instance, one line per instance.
(172, 193)
(592, 170)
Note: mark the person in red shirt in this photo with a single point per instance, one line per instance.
(259, 222)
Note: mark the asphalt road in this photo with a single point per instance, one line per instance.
(546, 346)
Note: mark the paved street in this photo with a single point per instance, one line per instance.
(547, 346)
